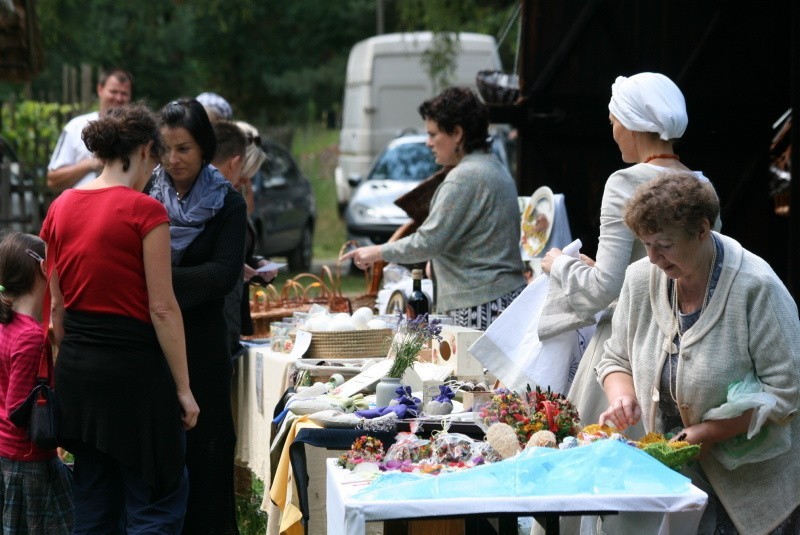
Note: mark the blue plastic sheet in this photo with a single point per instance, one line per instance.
(604, 467)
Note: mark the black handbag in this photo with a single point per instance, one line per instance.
(39, 411)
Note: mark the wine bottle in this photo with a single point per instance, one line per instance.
(417, 302)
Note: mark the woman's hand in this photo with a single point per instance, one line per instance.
(249, 273)
(555, 252)
(189, 409)
(363, 256)
(549, 258)
(624, 411)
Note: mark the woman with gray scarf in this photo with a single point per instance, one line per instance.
(208, 221)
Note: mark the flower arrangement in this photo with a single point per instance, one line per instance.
(535, 411)
(554, 411)
(412, 335)
(365, 449)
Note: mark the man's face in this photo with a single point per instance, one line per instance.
(113, 94)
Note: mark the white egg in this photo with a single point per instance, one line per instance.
(359, 321)
(377, 324)
(320, 322)
(365, 312)
(342, 322)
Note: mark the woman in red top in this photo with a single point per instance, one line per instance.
(35, 494)
(121, 373)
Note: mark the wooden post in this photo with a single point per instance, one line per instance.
(64, 83)
(87, 85)
(5, 191)
(73, 85)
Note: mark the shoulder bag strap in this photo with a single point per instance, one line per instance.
(46, 360)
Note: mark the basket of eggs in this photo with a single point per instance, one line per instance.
(341, 335)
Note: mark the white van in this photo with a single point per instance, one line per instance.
(386, 82)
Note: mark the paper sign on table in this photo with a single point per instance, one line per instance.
(302, 342)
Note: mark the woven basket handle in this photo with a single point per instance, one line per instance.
(316, 282)
(293, 292)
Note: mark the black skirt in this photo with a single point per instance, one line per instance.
(116, 394)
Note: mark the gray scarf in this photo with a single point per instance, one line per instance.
(188, 217)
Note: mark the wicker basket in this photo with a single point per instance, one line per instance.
(368, 343)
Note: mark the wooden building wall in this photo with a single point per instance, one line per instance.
(730, 58)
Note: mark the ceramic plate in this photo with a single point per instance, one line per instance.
(537, 222)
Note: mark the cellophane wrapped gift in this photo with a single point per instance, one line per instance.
(408, 447)
(451, 448)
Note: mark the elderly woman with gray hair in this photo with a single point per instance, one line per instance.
(706, 344)
(647, 113)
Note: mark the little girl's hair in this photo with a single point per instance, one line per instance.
(18, 269)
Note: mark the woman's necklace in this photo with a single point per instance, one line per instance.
(667, 156)
(676, 311)
(676, 308)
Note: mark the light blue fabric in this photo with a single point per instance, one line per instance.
(187, 217)
(605, 467)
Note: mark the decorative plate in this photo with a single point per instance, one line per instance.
(537, 222)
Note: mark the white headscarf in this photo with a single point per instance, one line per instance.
(649, 102)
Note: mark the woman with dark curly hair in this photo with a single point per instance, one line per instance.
(121, 371)
(471, 236)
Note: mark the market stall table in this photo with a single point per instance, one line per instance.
(670, 514)
(262, 376)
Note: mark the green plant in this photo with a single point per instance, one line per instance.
(33, 128)
(251, 519)
(411, 337)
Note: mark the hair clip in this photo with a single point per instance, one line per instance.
(33, 254)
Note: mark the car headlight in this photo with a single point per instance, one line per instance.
(362, 213)
(382, 214)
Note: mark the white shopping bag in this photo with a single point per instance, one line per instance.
(510, 348)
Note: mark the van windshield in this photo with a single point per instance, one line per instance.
(407, 162)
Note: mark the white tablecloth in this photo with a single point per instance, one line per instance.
(348, 516)
(254, 417)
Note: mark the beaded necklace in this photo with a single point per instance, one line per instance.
(668, 156)
(676, 310)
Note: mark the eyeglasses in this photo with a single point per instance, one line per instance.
(256, 140)
(33, 254)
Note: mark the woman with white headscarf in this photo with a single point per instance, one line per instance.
(647, 113)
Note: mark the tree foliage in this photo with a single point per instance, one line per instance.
(275, 62)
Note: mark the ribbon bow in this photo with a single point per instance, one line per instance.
(404, 397)
(445, 394)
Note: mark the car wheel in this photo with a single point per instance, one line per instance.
(300, 257)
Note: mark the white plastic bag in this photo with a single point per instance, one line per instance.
(510, 348)
(762, 442)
